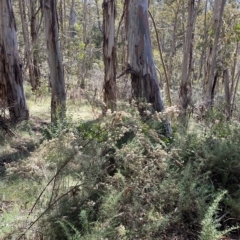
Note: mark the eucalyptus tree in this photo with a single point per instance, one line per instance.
(58, 101)
(28, 48)
(145, 85)
(11, 77)
(73, 18)
(211, 74)
(109, 54)
(185, 86)
(35, 24)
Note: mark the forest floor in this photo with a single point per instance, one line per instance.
(23, 138)
(140, 184)
(18, 142)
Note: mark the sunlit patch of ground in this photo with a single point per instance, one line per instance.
(77, 110)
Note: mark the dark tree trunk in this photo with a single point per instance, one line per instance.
(227, 93)
(73, 18)
(34, 40)
(185, 87)
(109, 54)
(211, 62)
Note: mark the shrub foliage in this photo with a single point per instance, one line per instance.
(121, 178)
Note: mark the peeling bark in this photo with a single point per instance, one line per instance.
(145, 83)
(144, 77)
(11, 77)
(58, 102)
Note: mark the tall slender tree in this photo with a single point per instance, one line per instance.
(85, 41)
(109, 53)
(34, 32)
(185, 86)
(58, 102)
(28, 48)
(11, 78)
(72, 19)
(210, 73)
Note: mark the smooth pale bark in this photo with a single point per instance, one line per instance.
(58, 102)
(11, 78)
(143, 72)
(212, 51)
(145, 85)
(109, 54)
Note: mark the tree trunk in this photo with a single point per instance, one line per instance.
(11, 78)
(83, 63)
(234, 69)
(203, 52)
(185, 87)
(34, 40)
(173, 45)
(28, 52)
(58, 102)
(98, 16)
(145, 84)
(72, 20)
(212, 52)
(109, 54)
(235, 92)
(227, 93)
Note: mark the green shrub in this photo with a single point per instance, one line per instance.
(125, 180)
(211, 223)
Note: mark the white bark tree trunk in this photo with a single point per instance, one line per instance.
(11, 78)
(58, 102)
(145, 83)
(143, 72)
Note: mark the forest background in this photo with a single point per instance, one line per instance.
(119, 119)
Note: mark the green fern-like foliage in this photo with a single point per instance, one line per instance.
(210, 223)
(70, 231)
